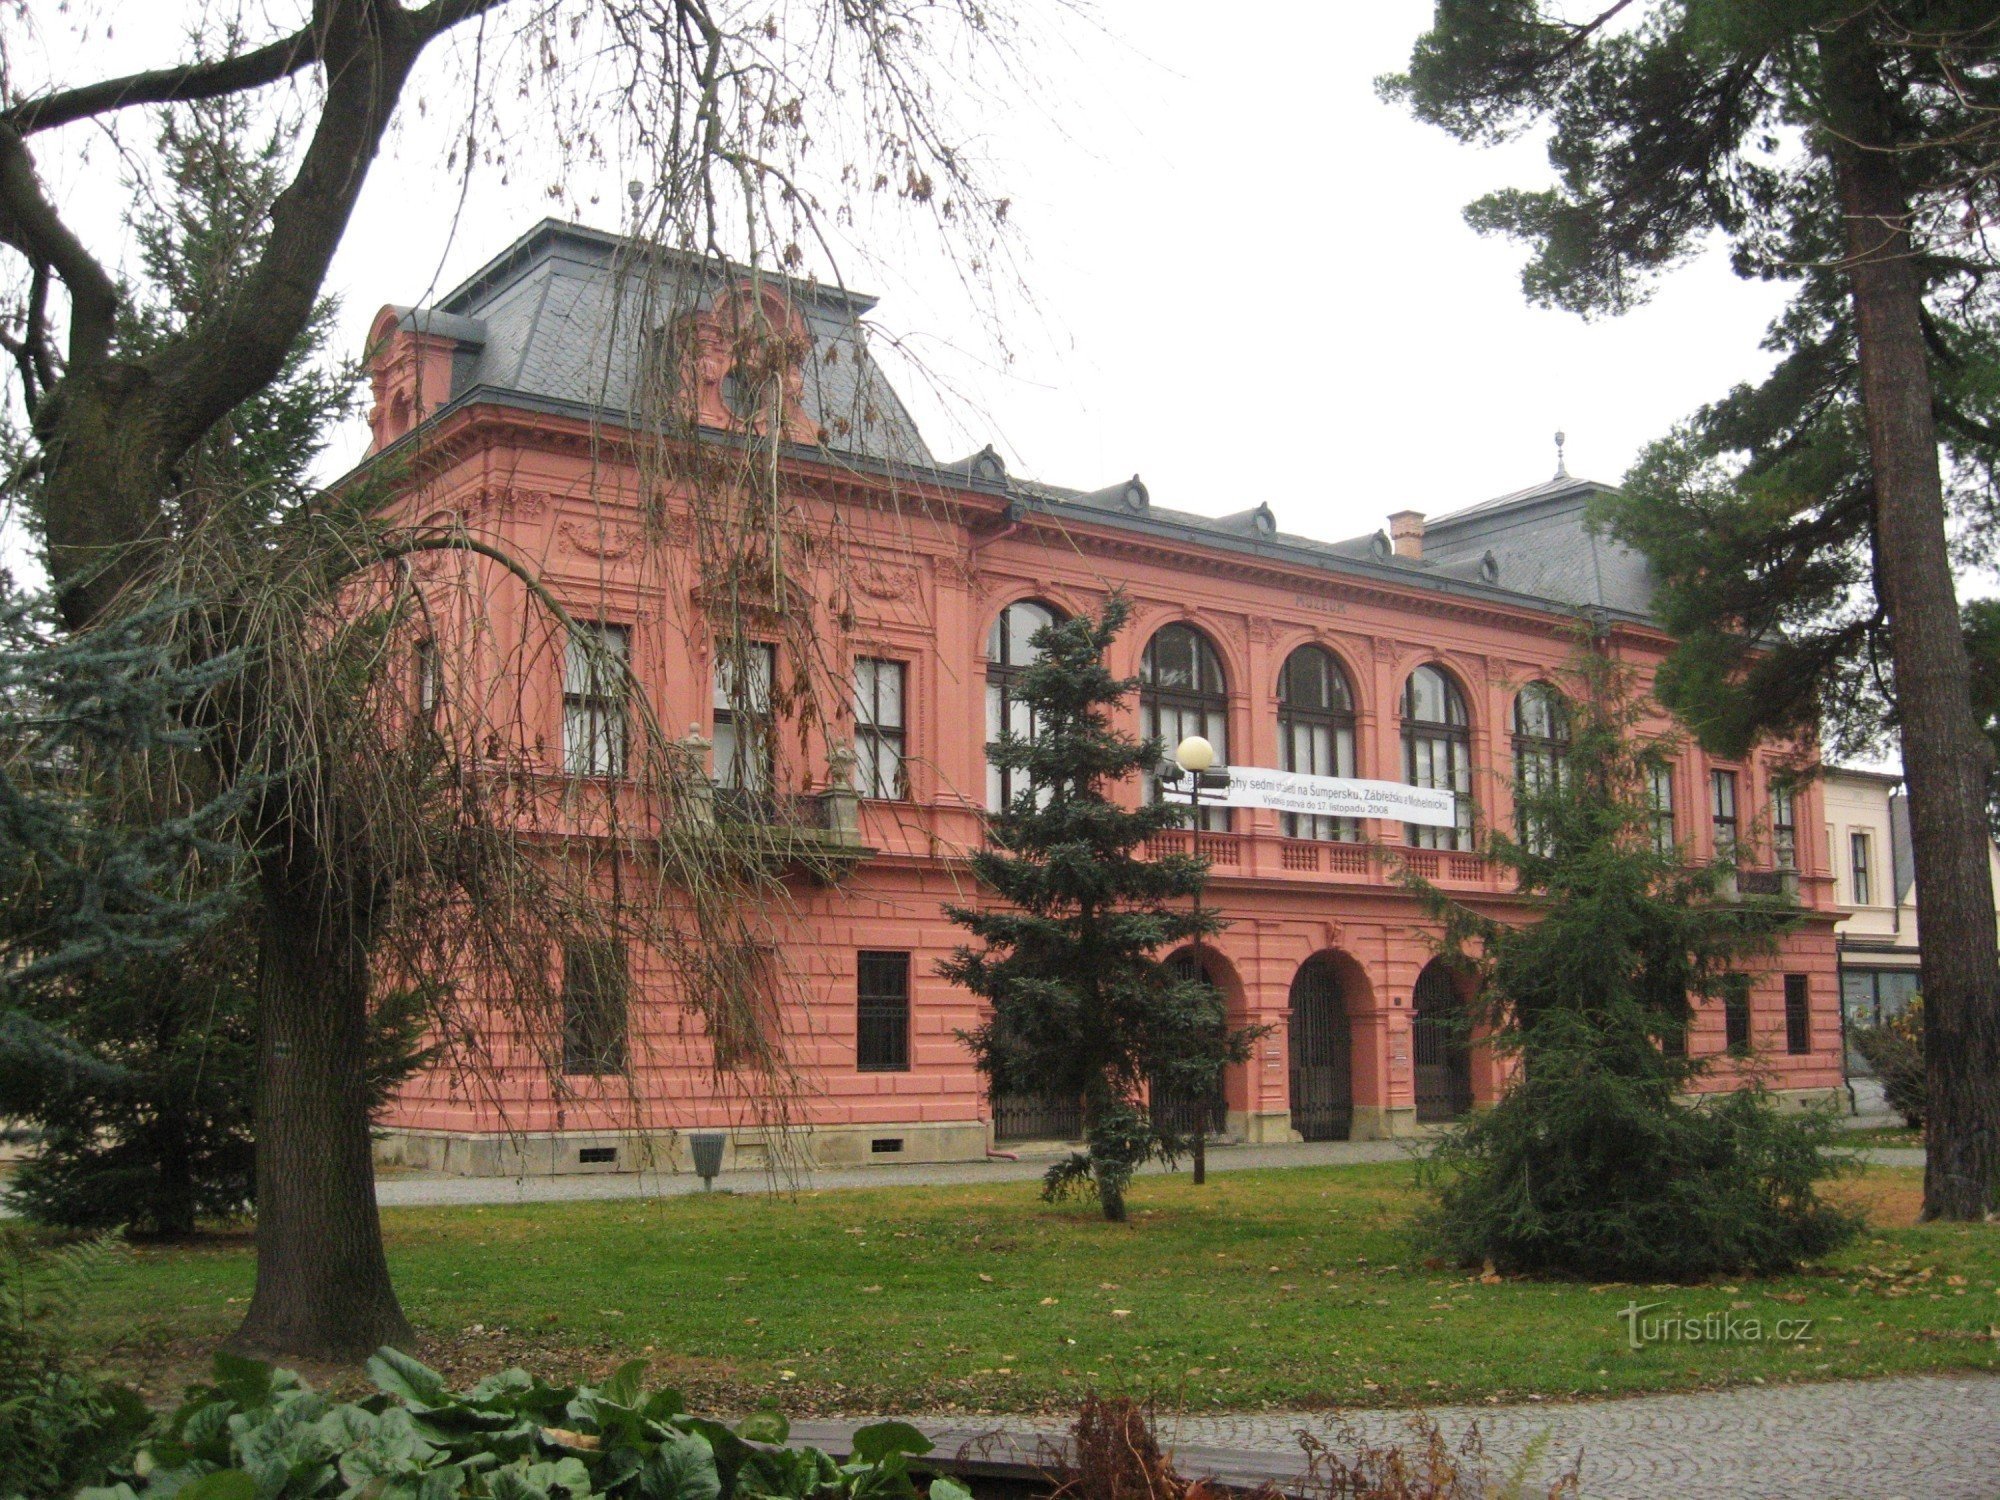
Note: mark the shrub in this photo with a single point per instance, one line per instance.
(1596, 1162)
(59, 1428)
(1895, 1050)
(262, 1434)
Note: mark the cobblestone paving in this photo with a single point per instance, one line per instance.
(1914, 1438)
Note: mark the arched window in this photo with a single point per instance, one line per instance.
(1541, 741)
(1316, 733)
(1008, 653)
(1183, 692)
(1437, 752)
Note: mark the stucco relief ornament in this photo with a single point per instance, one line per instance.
(886, 580)
(597, 541)
(962, 571)
(528, 504)
(1263, 630)
(1336, 935)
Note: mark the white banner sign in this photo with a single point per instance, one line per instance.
(1326, 796)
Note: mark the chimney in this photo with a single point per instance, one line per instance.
(1406, 530)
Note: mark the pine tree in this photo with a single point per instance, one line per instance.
(1084, 1007)
(1596, 1161)
(1803, 527)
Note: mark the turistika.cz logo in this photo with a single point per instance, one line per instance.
(1707, 1328)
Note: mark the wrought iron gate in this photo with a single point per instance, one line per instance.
(1036, 1117)
(1322, 1062)
(1438, 1047)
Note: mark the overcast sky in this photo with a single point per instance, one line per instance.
(1247, 279)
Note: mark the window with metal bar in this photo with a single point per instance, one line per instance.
(1798, 1014)
(594, 995)
(1736, 1015)
(1660, 802)
(882, 1024)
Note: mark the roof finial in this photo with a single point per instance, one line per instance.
(1562, 468)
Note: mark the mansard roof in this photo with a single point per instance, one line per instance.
(557, 322)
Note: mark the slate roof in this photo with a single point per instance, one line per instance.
(562, 315)
(557, 321)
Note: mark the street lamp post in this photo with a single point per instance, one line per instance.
(1196, 758)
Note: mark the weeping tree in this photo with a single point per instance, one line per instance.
(1803, 526)
(384, 841)
(1599, 1160)
(1083, 1004)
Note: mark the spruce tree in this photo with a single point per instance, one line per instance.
(1803, 527)
(1083, 1005)
(1599, 1161)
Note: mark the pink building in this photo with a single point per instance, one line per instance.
(1408, 655)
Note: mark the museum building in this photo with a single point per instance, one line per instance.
(1420, 654)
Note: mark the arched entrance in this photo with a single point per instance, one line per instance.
(1173, 1111)
(1322, 1053)
(1438, 1043)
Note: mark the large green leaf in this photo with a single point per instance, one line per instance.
(625, 1387)
(395, 1372)
(681, 1468)
(875, 1442)
(223, 1484)
(767, 1425)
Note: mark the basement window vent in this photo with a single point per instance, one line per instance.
(886, 1145)
(588, 1155)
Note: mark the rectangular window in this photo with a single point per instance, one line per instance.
(1736, 1015)
(1861, 875)
(1722, 799)
(743, 715)
(882, 1030)
(429, 683)
(1798, 1015)
(743, 1020)
(1660, 801)
(594, 984)
(594, 665)
(879, 728)
(1784, 827)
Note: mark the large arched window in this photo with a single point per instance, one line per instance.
(1437, 752)
(1541, 741)
(1008, 653)
(1183, 692)
(1316, 733)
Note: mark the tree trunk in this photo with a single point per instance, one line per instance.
(323, 1290)
(1945, 757)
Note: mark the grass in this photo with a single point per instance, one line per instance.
(1882, 1135)
(1286, 1288)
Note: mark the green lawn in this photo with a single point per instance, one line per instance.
(1263, 1288)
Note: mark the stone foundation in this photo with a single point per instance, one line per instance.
(465, 1154)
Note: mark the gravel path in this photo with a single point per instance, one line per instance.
(1914, 1438)
(414, 1189)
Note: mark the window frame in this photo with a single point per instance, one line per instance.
(1660, 798)
(870, 731)
(1784, 825)
(1192, 710)
(891, 1007)
(1002, 673)
(427, 696)
(606, 714)
(1861, 867)
(1455, 738)
(1339, 726)
(1538, 757)
(1725, 831)
(728, 715)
